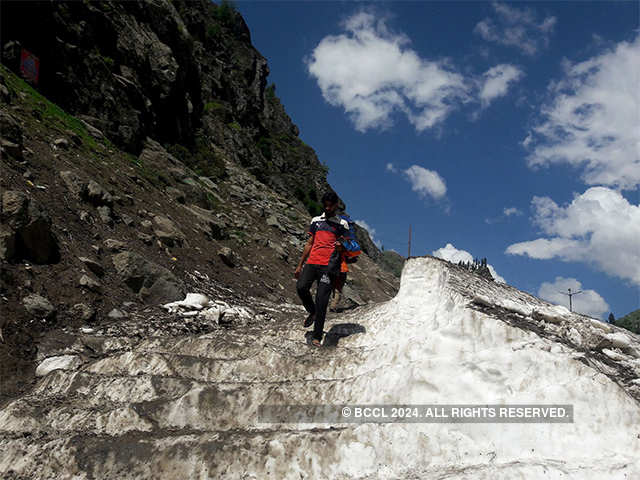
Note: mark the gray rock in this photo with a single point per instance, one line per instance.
(105, 215)
(34, 239)
(272, 221)
(146, 238)
(164, 289)
(73, 182)
(39, 306)
(93, 131)
(146, 224)
(127, 220)
(113, 245)
(116, 314)
(83, 312)
(89, 283)
(95, 194)
(12, 149)
(167, 231)
(154, 284)
(61, 143)
(10, 129)
(208, 223)
(92, 265)
(228, 256)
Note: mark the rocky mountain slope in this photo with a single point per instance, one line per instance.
(138, 400)
(631, 321)
(151, 151)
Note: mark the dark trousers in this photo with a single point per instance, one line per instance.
(311, 273)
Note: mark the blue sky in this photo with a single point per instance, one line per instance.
(507, 130)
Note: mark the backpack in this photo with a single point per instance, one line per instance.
(351, 245)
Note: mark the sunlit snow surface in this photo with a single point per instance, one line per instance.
(177, 408)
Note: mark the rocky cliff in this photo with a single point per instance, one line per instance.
(152, 153)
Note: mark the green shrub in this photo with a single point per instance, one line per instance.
(309, 200)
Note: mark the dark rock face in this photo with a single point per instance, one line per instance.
(181, 72)
(153, 283)
(26, 233)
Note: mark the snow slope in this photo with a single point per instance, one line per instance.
(186, 407)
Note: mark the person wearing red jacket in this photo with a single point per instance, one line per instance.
(321, 254)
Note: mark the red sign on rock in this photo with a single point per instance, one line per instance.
(29, 66)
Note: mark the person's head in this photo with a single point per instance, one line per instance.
(330, 203)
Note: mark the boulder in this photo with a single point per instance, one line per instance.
(10, 129)
(39, 306)
(113, 245)
(167, 231)
(116, 314)
(95, 194)
(73, 182)
(104, 213)
(153, 283)
(228, 256)
(92, 265)
(28, 230)
(89, 283)
(208, 223)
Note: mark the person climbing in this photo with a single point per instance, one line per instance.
(322, 254)
(349, 255)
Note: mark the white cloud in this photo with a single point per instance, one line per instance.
(371, 230)
(427, 183)
(373, 74)
(453, 255)
(599, 227)
(496, 82)
(518, 28)
(593, 119)
(589, 302)
(512, 211)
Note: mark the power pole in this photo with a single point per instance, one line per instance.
(409, 251)
(571, 294)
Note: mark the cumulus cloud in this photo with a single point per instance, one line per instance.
(496, 82)
(592, 120)
(599, 227)
(589, 302)
(453, 255)
(427, 183)
(371, 230)
(372, 73)
(511, 211)
(516, 27)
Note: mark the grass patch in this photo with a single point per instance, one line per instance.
(213, 106)
(49, 112)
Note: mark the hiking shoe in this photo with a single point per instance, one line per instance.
(315, 343)
(309, 321)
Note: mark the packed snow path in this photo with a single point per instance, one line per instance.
(166, 407)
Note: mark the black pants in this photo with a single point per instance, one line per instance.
(311, 273)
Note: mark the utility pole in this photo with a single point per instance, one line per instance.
(571, 294)
(409, 251)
